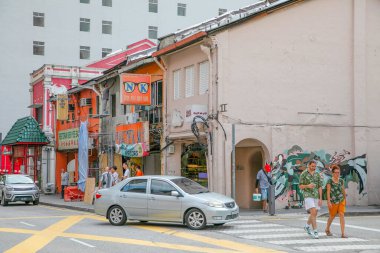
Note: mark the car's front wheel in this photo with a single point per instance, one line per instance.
(36, 202)
(195, 219)
(117, 216)
(3, 201)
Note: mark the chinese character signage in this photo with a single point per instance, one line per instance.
(68, 139)
(62, 107)
(135, 89)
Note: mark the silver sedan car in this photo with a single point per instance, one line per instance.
(16, 187)
(164, 198)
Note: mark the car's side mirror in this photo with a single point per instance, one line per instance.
(36, 182)
(175, 194)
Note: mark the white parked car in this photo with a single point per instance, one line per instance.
(164, 198)
(17, 187)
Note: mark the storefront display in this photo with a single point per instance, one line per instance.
(194, 164)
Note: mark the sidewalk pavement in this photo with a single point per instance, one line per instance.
(56, 201)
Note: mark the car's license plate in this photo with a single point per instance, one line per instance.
(24, 199)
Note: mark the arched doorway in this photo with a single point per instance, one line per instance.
(250, 157)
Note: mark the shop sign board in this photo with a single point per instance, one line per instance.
(133, 133)
(135, 89)
(132, 150)
(195, 110)
(62, 107)
(68, 139)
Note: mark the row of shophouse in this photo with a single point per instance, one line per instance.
(279, 82)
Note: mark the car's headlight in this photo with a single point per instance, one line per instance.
(216, 204)
(9, 188)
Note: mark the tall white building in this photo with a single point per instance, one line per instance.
(77, 32)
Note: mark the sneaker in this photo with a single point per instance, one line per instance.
(307, 229)
(315, 235)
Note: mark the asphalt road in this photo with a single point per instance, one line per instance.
(28, 228)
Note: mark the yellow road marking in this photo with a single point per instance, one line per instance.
(35, 217)
(95, 217)
(19, 231)
(42, 238)
(213, 241)
(146, 243)
(63, 209)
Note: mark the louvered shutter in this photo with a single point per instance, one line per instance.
(189, 81)
(176, 75)
(203, 77)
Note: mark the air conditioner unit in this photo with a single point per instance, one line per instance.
(85, 102)
(171, 149)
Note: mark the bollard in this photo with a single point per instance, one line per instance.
(272, 200)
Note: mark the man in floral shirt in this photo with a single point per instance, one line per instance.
(311, 186)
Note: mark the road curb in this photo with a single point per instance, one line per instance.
(76, 208)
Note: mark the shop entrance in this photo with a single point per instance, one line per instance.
(194, 163)
(249, 158)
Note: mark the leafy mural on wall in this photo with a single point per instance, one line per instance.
(287, 167)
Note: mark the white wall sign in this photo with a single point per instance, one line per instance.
(195, 110)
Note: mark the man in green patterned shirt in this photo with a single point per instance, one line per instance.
(311, 186)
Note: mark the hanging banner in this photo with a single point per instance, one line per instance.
(135, 89)
(132, 150)
(68, 139)
(62, 107)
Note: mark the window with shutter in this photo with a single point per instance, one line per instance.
(176, 77)
(203, 77)
(189, 81)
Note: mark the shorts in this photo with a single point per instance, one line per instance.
(337, 208)
(311, 203)
(264, 193)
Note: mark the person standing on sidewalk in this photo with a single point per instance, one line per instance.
(127, 172)
(105, 180)
(262, 178)
(64, 182)
(139, 172)
(336, 200)
(115, 176)
(311, 186)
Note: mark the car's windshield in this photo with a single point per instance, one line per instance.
(189, 186)
(18, 179)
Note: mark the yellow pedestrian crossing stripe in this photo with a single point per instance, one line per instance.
(39, 239)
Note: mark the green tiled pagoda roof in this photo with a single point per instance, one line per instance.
(25, 130)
